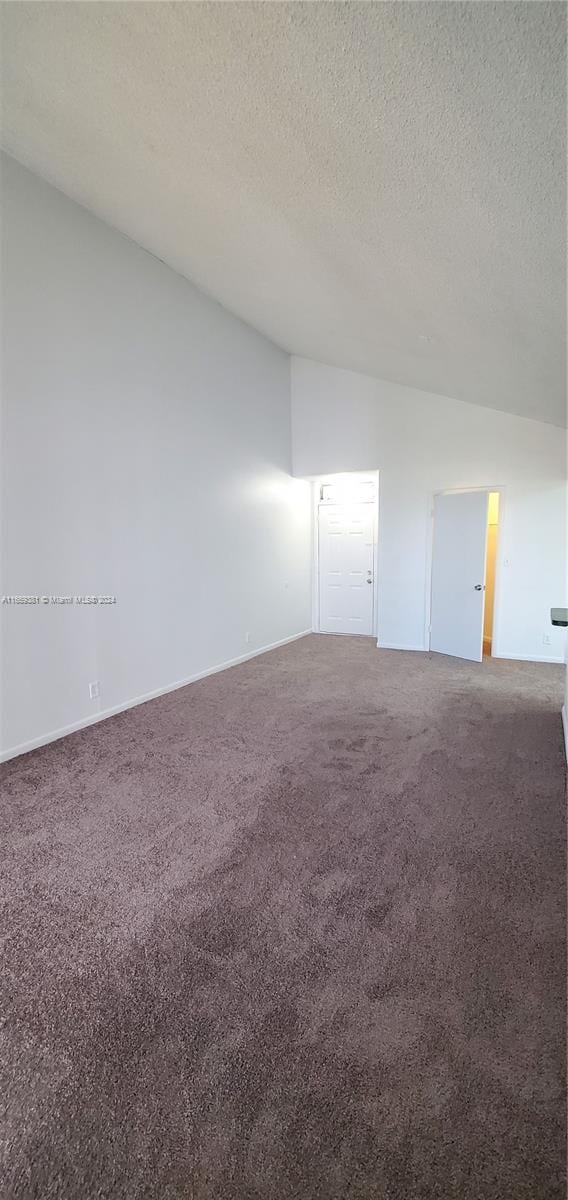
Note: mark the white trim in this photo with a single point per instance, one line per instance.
(536, 658)
(54, 736)
(395, 646)
(340, 633)
(509, 657)
(565, 728)
(315, 555)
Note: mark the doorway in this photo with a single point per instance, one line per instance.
(346, 533)
(464, 566)
(490, 572)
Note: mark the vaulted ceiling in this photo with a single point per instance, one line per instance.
(380, 186)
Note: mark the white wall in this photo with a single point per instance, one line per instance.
(146, 453)
(422, 443)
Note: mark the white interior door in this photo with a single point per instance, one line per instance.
(458, 574)
(345, 552)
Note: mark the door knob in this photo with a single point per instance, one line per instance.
(478, 587)
(369, 581)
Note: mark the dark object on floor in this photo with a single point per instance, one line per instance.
(297, 930)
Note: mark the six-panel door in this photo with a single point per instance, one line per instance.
(346, 584)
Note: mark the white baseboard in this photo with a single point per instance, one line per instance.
(536, 658)
(56, 734)
(509, 657)
(396, 646)
(565, 727)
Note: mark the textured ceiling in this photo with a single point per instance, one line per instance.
(379, 186)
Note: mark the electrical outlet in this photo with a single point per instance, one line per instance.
(94, 691)
(247, 639)
(546, 639)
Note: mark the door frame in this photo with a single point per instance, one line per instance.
(316, 482)
(496, 630)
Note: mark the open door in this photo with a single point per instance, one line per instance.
(458, 574)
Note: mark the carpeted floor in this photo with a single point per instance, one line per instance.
(295, 931)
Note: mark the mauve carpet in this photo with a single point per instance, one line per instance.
(294, 931)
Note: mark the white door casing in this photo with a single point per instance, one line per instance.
(346, 577)
(458, 574)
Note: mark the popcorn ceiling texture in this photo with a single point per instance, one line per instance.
(377, 186)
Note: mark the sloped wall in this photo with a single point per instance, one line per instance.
(421, 444)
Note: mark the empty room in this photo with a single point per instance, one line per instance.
(284, 600)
